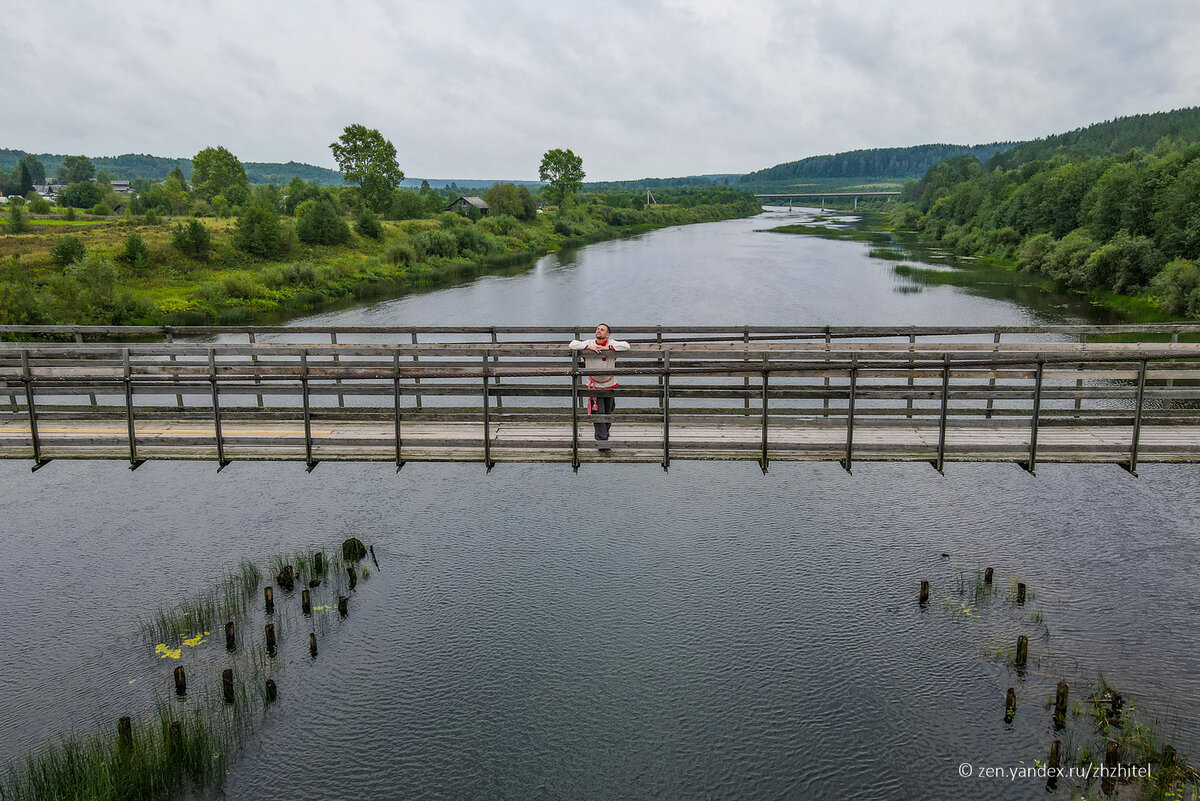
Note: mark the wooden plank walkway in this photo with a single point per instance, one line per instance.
(1058, 394)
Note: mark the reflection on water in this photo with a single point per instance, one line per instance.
(624, 632)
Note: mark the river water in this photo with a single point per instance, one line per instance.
(711, 632)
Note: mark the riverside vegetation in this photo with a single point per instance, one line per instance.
(218, 250)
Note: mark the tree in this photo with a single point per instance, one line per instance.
(177, 173)
(67, 250)
(367, 224)
(259, 233)
(37, 170)
(22, 181)
(407, 205)
(135, 254)
(75, 169)
(192, 239)
(18, 223)
(319, 222)
(82, 195)
(367, 159)
(215, 170)
(515, 201)
(564, 172)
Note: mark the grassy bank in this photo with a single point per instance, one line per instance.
(135, 271)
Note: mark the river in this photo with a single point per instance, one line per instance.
(625, 632)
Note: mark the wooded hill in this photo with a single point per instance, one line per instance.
(141, 165)
(885, 162)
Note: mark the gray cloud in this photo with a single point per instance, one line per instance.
(637, 88)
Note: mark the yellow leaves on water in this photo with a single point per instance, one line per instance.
(192, 642)
(167, 653)
(325, 608)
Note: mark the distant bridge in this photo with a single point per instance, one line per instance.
(1031, 394)
(823, 195)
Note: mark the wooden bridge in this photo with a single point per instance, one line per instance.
(1117, 394)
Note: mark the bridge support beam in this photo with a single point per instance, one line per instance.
(848, 462)
(940, 463)
(27, 376)
(396, 409)
(763, 462)
(309, 462)
(487, 421)
(216, 405)
(1031, 465)
(134, 461)
(1137, 420)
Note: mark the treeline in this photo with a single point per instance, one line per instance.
(1128, 224)
(156, 168)
(888, 162)
(717, 179)
(1110, 138)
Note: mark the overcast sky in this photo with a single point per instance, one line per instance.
(482, 89)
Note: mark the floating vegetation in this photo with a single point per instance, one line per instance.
(183, 746)
(886, 253)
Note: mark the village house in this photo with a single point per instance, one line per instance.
(465, 202)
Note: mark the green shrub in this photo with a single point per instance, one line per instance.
(102, 210)
(135, 255)
(406, 205)
(18, 221)
(149, 218)
(1123, 264)
(298, 274)
(436, 243)
(1178, 287)
(39, 205)
(368, 225)
(472, 241)
(400, 254)
(69, 216)
(501, 225)
(319, 222)
(67, 250)
(259, 232)
(1066, 262)
(242, 287)
(192, 239)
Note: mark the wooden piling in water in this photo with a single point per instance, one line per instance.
(1020, 592)
(306, 602)
(269, 600)
(272, 690)
(180, 680)
(1010, 705)
(1053, 765)
(269, 634)
(125, 732)
(987, 576)
(319, 563)
(1061, 694)
(230, 640)
(923, 595)
(1022, 656)
(312, 644)
(353, 577)
(227, 685)
(343, 604)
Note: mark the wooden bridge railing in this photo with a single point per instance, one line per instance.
(803, 398)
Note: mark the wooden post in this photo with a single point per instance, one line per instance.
(305, 602)
(828, 382)
(396, 406)
(230, 639)
(1031, 465)
(658, 344)
(574, 413)
(343, 604)
(765, 374)
(1061, 694)
(1010, 705)
(254, 361)
(319, 563)
(487, 423)
(134, 461)
(178, 396)
(353, 576)
(272, 691)
(1053, 764)
(269, 600)
(495, 362)
(227, 684)
(312, 645)
(746, 358)
(987, 576)
(269, 634)
(1079, 381)
(31, 409)
(341, 397)
(848, 461)
(1021, 593)
(912, 366)
(666, 408)
(923, 594)
(1137, 419)
(416, 381)
(92, 396)
(940, 464)
(1022, 656)
(216, 404)
(992, 381)
(180, 681)
(308, 441)
(125, 733)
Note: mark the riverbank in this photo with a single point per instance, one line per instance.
(924, 261)
(139, 272)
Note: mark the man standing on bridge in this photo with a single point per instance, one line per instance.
(599, 354)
